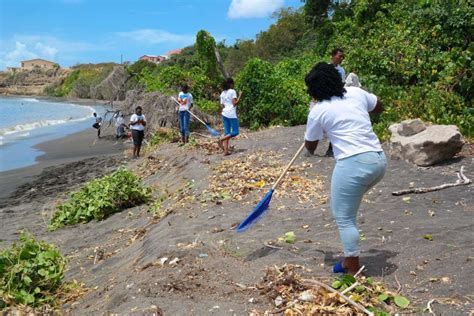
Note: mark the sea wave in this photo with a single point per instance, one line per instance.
(30, 100)
(42, 123)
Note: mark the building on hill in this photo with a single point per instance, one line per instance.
(172, 52)
(153, 58)
(37, 63)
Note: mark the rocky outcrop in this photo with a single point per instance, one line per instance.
(31, 82)
(422, 144)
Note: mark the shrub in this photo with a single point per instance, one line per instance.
(31, 273)
(164, 135)
(100, 198)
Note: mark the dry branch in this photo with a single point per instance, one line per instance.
(313, 283)
(462, 180)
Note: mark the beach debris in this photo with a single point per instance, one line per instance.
(174, 261)
(462, 180)
(289, 238)
(236, 178)
(428, 237)
(163, 260)
(203, 255)
(294, 295)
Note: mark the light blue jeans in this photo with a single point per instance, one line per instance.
(351, 178)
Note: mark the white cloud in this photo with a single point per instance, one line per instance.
(21, 47)
(253, 8)
(154, 36)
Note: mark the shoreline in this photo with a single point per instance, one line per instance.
(71, 148)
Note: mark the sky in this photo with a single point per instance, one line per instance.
(90, 31)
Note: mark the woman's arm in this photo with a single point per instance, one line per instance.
(378, 107)
(311, 145)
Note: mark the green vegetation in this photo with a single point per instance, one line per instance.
(31, 273)
(164, 135)
(100, 198)
(80, 81)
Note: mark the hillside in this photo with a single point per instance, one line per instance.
(217, 269)
(31, 82)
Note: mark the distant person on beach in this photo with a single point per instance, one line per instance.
(137, 125)
(185, 100)
(343, 115)
(229, 102)
(120, 126)
(98, 124)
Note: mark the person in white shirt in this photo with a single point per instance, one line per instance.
(137, 125)
(98, 124)
(185, 100)
(120, 126)
(343, 115)
(229, 102)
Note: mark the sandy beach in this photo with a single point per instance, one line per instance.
(214, 259)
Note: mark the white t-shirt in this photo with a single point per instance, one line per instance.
(341, 72)
(229, 110)
(120, 121)
(137, 127)
(189, 100)
(346, 123)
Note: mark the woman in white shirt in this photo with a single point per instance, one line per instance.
(229, 102)
(343, 115)
(137, 125)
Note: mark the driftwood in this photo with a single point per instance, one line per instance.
(462, 180)
(316, 283)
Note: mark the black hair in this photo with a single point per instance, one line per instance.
(336, 50)
(95, 114)
(227, 84)
(324, 82)
(184, 87)
(138, 108)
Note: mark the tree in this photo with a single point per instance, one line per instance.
(209, 55)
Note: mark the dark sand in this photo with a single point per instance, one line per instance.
(127, 278)
(71, 148)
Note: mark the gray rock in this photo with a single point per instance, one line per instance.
(430, 145)
(411, 127)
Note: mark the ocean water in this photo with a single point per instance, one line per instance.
(26, 122)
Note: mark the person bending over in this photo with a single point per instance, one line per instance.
(229, 102)
(137, 125)
(98, 124)
(185, 100)
(343, 115)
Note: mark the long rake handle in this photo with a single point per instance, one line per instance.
(288, 167)
(194, 115)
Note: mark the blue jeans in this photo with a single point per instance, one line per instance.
(184, 123)
(352, 177)
(231, 126)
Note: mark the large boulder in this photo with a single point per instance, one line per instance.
(424, 145)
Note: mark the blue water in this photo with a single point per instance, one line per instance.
(26, 122)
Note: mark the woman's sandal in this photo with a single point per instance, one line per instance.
(338, 268)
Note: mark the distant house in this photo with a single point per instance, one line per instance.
(37, 63)
(153, 58)
(172, 52)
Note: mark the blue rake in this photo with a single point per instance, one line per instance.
(262, 206)
(211, 131)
